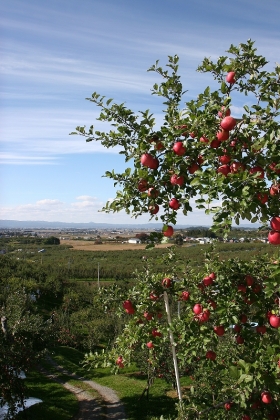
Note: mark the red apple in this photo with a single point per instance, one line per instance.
(174, 204)
(197, 309)
(239, 339)
(166, 282)
(236, 167)
(230, 77)
(128, 307)
(156, 333)
(150, 161)
(274, 321)
(228, 123)
(222, 135)
(246, 417)
(219, 330)
(227, 406)
(193, 168)
(148, 316)
(241, 288)
(262, 197)
(266, 397)
(153, 296)
(273, 168)
(224, 159)
(243, 318)
(159, 145)
(142, 185)
(257, 170)
(274, 237)
(150, 345)
(224, 169)
(154, 209)
(184, 295)
(275, 223)
(204, 139)
(215, 144)
(177, 180)
(207, 281)
(179, 148)
(274, 189)
(249, 280)
(153, 192)
(211, 355)
(204, 316)
(212, 303)
(261, 329)
(224, 112)
(237, 328)
(168, 231)
(200, 160)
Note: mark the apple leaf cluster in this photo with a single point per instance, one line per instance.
(200, 153)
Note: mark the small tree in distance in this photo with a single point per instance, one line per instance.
(202, 153)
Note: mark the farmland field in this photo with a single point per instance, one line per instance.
(114, 246)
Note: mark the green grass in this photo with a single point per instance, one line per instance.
(58, 403)
(129, 386)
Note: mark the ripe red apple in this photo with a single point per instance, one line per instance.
(150, 345)
(228, 123)
(212, 303)
(222, 135)
(237, 167)
(274, 237)
(241, 288)
(246, 417)
(168, 231)
(156, 333)
(153, 296)
(215, 144)
(212, 275)
(275, 223)
(239, 339)
(200, 159)
(257, 170)
(142, 185)
(237, 328)
(177, 180)
(249, 279)
(204, 139)
(257, 288)
(230, 77)
(153, 192)
(154, 209)
(262, 197)
(174, 204)
(185, 295)
(224, 159)
(224, 112)
(211, 355)
(197, 309)
(128, 307)
(243, 318)
(273, 168)
(150, 161)
(148, 316)
(204, 316)
(193, 168)
(274, 321)
(224, 169)
(227, 406)
(166, 282)
(261, 329)
(274, 189)
(207, 281)
(266, 397)
(219, 330)
(179, 148)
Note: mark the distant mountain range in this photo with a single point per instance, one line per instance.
(38, 224)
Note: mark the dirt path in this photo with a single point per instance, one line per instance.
(89, 407)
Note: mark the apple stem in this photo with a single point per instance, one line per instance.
(165, 296)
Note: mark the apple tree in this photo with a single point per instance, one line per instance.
(228, 166)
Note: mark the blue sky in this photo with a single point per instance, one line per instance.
(55, 54)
